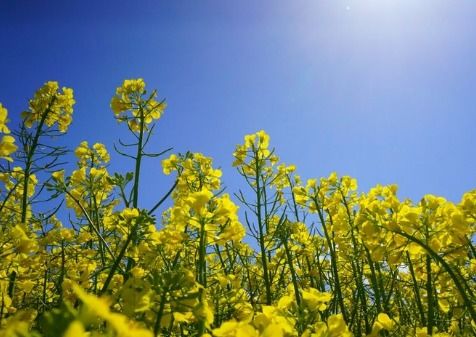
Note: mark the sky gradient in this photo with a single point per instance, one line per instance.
(381, 90)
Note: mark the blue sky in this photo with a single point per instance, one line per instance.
(381, 90)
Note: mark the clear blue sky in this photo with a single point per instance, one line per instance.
(381, 90)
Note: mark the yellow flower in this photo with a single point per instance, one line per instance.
(118, 106)
(385, 321)
(101, 152)
(444, 305)
(23, 243)
(82, 150)
(235, 329)
(27, 286)
(315, 300)
(3, 120)
(337, 326)
(169, 164)
(273, 330)
(130, 213)
(198, 200)
(285, 302)
(100, 308)
(75, 329)
(421, 332)
(7, 147)
(58, 176)
(204, 312)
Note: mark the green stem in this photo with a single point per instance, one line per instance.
(117, 261)
(333, 254)
(29, 160)
(202, 272)
(135, 197)
(1, 308)
(416, 289)
(293, 273)
(373, 278)
(381, 287)
(160, 313)
(264, 260)
(429, 293)
(45, 280)
(202, 263)
(91, 223)
(96, 217)
(62, 273)
(358, 269)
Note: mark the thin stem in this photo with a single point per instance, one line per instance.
(29, 160)
(264, 260)
(429, 293)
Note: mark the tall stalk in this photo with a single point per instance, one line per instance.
(30, 152)
(264, 260)
(333, 254)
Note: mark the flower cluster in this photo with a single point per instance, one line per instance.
(131, 104)
(7, 142)
(51, 106)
